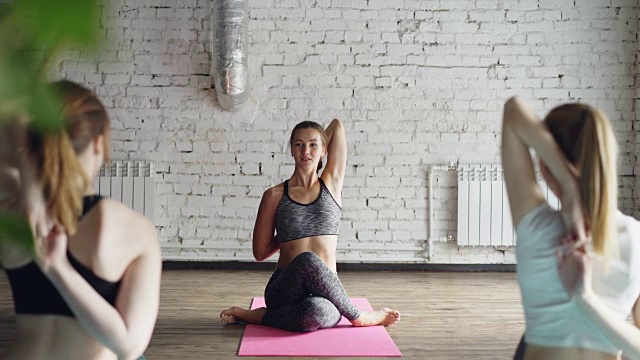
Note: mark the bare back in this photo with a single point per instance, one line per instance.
(109, 239)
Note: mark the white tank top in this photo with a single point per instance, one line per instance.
(552, 318)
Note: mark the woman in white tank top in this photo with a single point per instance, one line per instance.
(570, 313)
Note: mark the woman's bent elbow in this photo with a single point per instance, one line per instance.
(129, 356)
(513, 104)
(132, 349)
(134, 353)
(259, 257)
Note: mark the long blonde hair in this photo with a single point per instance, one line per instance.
(55, 153)
(585, 136)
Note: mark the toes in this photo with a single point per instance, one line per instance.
(393, 316)
(394, 313)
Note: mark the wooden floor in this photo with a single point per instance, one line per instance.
(444, 315)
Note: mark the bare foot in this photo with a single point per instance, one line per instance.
(384, 316)
(235, 315)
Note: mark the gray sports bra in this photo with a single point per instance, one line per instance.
(296, 221)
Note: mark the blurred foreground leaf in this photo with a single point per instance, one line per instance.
(15, 228)
(47, 24)
(32, 34)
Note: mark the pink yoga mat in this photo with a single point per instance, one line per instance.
(342, 340)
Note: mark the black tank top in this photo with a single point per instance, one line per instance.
(33, 293)
(296, 221)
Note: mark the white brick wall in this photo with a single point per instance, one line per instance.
(416, 82)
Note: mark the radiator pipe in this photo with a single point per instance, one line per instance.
(452, 166)
(230, 66)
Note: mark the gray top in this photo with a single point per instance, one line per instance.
(296, 221)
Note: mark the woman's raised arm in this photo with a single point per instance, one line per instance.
(336, 156)
(14, 157)
(521, 130)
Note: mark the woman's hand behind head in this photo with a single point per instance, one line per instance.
(574, 266)
(51, 249)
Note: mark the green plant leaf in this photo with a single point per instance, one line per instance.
(45, 106)
(15, 228)
(32, 32)
(53, 21)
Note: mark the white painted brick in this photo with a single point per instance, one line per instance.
(383, 236)
(93, 80)
(415, 82)
(115, 68)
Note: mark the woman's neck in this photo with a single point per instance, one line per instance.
(306, 180)
(89, 190)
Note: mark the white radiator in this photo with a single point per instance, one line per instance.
(130, 182)
(484, 216)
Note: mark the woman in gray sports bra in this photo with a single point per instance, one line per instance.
(301, 219)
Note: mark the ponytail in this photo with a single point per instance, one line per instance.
(58, 177)
(598, 186)
(62, 179)
(586, 139)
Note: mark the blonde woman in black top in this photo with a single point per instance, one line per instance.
(92, 290)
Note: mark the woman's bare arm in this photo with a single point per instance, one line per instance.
(522, 130)
(265, 243)
(334, 171)
(126, 328)
(621, 333)
(575, 264)
(14, 155)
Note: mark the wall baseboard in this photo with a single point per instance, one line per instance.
(236, 265)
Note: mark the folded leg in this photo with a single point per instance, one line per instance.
(308, 275)
(311, 314)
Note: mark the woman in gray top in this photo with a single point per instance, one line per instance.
(304, 293)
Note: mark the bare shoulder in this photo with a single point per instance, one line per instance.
(119, 219)
(274, 194)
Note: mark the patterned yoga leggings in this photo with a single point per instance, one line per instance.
(306, 296)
